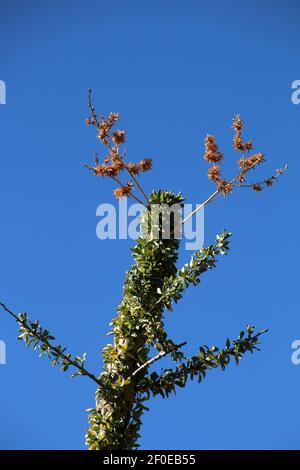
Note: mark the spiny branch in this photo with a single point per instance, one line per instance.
(208, 358)
(32, 332)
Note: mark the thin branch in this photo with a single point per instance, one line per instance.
(266, 180)
(157, 357)
(111, 148)
(92, 109)
(198, 365)
(138, 184)
(49, 346)
(130, 194)
(212, 196)
(121, 184)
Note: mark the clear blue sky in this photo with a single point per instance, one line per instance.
(175, 71)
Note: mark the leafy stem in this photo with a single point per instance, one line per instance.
(33, 334)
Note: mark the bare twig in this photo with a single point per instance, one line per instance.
(92, 108)
(266, 180)
(138, 184)
(157, 357)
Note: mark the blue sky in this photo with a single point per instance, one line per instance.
(175, 71)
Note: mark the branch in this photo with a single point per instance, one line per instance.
(208, 358)
(138, 184)
(157, 357)
(259, 185)
(216, 193)
(33, 333)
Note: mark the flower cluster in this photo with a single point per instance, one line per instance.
(114, 162)
(214, 173)
(214, 158)
(225, 187)
(124, 190)
(238, 141)
(266, 183)
(248, 163)
(212, 154)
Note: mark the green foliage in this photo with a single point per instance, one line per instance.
(197, 366)
(40, 339)
(116, 420)
(151, 286)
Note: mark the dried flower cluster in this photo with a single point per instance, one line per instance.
(124, 191)
(238, 141)
(114, 162)
(214, 157)
(212, 154)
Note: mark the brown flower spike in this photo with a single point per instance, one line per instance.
(212, 154)
(214, 157)
(114, 163)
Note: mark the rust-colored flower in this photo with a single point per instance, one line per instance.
(246, 163)
(99, 170)
(114, 154)
(214, 173)
(133, 168)
(118, 137)
(256, 159)
(212, 154)
(103, 132)
(270, 181)
(225, 187)
(113, 118)
(145, 164)
(257, 187)
(242, 163)
(88, 121)
(238, 123)
(123, 191)
(249, 145)
(111, 170)
(118, 164)
(119, 193)
(238, 143)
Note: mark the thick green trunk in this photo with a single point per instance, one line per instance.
(116, 419)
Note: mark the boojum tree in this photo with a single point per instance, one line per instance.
(152, 286)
